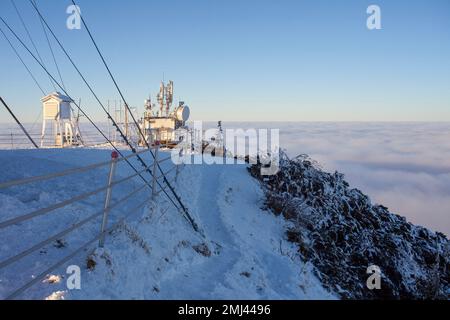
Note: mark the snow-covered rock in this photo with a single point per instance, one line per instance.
(342, 233)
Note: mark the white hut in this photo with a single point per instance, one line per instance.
(57, 109)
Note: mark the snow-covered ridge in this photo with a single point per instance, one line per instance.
(317, 246)
(342, 234)
(155, 255)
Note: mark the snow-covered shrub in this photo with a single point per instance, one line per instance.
(342, 233)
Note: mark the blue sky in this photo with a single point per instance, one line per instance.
(247, 60)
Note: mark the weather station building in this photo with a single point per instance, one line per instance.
(58, 111)
(161, 125)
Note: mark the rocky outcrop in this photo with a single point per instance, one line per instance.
(342, 233)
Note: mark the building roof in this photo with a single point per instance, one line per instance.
(57, 96)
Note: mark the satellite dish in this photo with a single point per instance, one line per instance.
(182, 113)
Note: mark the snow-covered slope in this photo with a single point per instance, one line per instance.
(155, 254)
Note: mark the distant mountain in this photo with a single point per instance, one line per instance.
(342, 233)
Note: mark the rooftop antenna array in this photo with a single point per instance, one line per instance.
(165, 98)
(160, 98)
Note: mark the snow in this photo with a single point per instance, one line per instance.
(152, 255)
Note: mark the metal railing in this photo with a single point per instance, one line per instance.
(104, 213)
(13, 141)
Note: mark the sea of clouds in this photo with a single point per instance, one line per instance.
(404, 166)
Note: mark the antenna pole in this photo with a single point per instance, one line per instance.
(126, 123)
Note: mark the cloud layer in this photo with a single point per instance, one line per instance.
(404, 166)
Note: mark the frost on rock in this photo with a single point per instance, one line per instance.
(52, 279)
(338, 229)
(58, 295)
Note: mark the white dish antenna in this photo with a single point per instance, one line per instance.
(182, 113)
